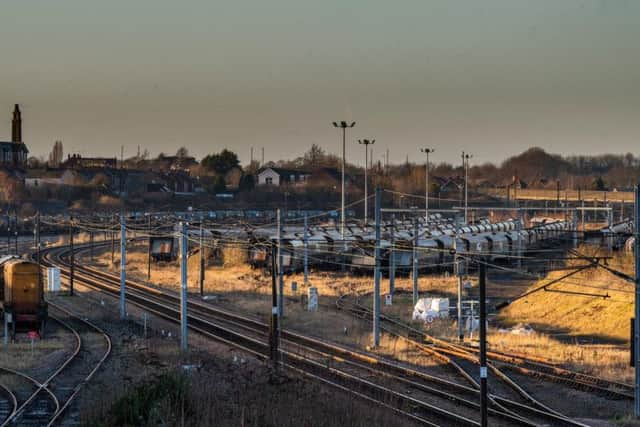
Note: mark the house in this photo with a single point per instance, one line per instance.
(69, 177)
(280, 176)
(14, 153)
(174, 163)
(76, 161)
(39, 177)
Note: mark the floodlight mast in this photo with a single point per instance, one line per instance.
(366, 143)
(427, 151)
(343, 125)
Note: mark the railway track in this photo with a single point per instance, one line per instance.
(530, 366)
(440, 400)
(46, 403)
(8, 402)
(503, 391)
(27, 389)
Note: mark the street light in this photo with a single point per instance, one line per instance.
(465, 165)
(426, 190)
(366, 143)
(343, 125)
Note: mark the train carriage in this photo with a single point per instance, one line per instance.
(430, 253)
(475, 244)
(23, 295)
(319, 250)
(499, 245)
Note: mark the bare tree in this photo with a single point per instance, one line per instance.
(56, 155)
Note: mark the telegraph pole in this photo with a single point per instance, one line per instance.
(483, 344)
(113, 241)
(376, 283)
(183, 287)
(72, 256)
(123, 267)
(343, 125)
(306, 249)
(426, 190)
(574, 227)
(458, 271)
(35, 219)
(273, 324)
(37, 239)
(392, 257)
(366, 143)
(465, 165)
(202, 258)
(582, 218)
(609, 224)
(519, 225)
(280, 269)
(149, 249)
(636, 337)
(415, 260)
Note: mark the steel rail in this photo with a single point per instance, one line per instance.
(232, 337)
(57, 416)
(532, 366)
(42, 386)
(248, 344)
(45, 386)
(443, 350)
(12, 400)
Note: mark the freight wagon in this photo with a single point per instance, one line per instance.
(22, 296)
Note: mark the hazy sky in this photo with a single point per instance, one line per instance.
(492, 77)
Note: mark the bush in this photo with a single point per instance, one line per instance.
(151, 404)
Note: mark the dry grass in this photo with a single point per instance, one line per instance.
(44, 354)
(605, 361)
(236, 276)
(249, 290)
(569, 322)
(576, 315)
(224, 393)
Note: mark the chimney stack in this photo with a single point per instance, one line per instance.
(16, 125)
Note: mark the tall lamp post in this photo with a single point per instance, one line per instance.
(343, 125)
(465, 165)
(366, 143)
(426, 189)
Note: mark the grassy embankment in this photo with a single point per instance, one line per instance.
(588, 333)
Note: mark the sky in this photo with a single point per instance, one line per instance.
(491, 77)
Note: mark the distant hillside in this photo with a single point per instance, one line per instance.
(535, 165)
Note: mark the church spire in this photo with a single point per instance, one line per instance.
(16, 125)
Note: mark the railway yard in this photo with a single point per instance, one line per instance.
(90, 364)
(306, 214)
